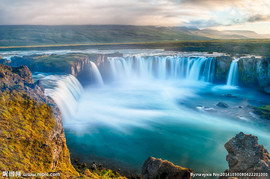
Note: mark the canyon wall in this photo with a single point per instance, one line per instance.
(253, 72)
(222, 69)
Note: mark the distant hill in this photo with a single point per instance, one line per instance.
(230, 34)
(53, 35)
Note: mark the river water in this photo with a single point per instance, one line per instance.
(157, 106)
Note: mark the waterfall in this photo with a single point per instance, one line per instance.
(162, 68)
(95, 74)
(233, 73)
(195, 69)
(66, 94)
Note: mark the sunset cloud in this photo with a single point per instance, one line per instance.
(195, 13)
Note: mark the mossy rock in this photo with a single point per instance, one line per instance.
(263, 111)
(247, 68)
(222, 69)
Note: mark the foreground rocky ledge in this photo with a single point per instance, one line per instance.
(247, 156)
(156, 168)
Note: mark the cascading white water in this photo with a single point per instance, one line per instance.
(195, 68)
(66, 94)
(163, 67)
(233, 73)
(95, 74)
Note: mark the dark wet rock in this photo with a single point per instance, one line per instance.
(222, 68)
(230, 96)
(93, 166)
(20, 79)
(100, 166)
(254, 72)
(247, 156)
(156, 168)
(249, 106)
(222, 105)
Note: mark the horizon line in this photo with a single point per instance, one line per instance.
(189, 27)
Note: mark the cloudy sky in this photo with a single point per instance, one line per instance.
(217, 14)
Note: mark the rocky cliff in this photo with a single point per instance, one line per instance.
(32, 135)
(255, 72)
(245, 155)
(79, 65)
(32, 138)
(75, 64)
(252, 72)
(222, 69)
